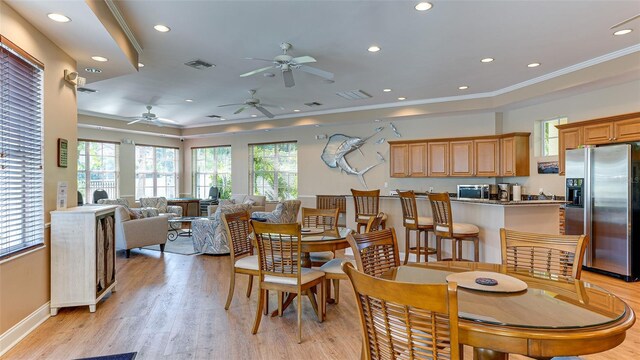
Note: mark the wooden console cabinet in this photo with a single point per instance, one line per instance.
(83, 262)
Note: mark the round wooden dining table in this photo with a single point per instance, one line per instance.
(553, 316)
(329, 240)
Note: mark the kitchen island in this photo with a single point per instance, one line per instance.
(541, 216)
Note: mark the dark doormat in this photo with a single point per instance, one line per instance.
(125, 356)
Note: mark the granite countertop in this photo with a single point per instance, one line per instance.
(488, 202)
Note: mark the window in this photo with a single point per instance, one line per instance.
(97, 168)
(156, 171)
(549, 136)
(21, 141)
(212, 167)
(274, 170)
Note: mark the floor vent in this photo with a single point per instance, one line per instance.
(354, 95)
(199, 64)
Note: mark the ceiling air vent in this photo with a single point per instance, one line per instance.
(86, 90)
(354, 95)
(214, 116)
(199, 64)
(313, 103)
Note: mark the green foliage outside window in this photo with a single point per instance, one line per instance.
(212, 167)
(275, 171)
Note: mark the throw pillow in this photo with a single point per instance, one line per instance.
(134, 214)
(250, 202)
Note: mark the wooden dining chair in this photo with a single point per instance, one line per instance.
(326, 219)
(414, 223)
(406, 320)
(560, 255)
(375, 222)
(279, 252)
(242, 259)
(445, 228)
(367, 205)
(375, 252)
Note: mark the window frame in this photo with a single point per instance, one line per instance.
(22, 228)
(155, 173)
(88, 197)
(276, 171)
(544, 140)
(196, 174)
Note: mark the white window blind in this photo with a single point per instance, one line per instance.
(21, 175)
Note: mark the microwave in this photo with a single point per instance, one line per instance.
(473, 191)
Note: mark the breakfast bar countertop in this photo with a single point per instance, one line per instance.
(489, 202)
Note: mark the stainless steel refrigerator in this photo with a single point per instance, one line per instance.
(603, 190)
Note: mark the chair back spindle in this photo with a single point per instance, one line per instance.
(375, 252)
(238, 230)
(441, 210)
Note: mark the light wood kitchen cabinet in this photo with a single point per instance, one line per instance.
(438, 158)
(598, 134)
(487, 157)
(568, 139)
(399, 154)
(626, 130)
(408, 160)
(461, 155)
(514, 155)
(418, 160)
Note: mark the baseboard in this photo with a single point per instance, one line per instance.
(20, 330)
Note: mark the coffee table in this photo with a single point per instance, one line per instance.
(176, 225)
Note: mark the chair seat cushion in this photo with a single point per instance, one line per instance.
(365, 218)
(307, 275)
(248, 262)
(335, 266)
(460, 228)
(321, 256)
(422, 221)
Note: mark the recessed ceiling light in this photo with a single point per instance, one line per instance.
(58, 18)
(296, 110)
(93, 70)
(386, 90)
(267, 130)
(374, 48)
(402, 98)
(463, 87)
(188, 100)
(317, 125)
(622, 32)
(162, 28)
(532, 65)
(254, 115)
(423, 6)
(487, 60)
(99, 58)
(140, 65)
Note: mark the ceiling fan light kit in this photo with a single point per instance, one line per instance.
(151, 118)
(255, 103)
(286, 64)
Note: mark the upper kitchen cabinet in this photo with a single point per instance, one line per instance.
(461, 155)
(603, 131)
(408, 159)
(514, 154)
(487, 157)
(438, 158)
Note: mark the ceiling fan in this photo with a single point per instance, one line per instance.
(151, 118)
(286, 63)
(254, 102)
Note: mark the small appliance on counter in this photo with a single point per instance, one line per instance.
(516, 192)
(504, 192)
(493, 192)
(473, 192)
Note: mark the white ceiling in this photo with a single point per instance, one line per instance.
(424, 56)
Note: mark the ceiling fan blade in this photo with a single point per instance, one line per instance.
(625, 21)
(157, 123)
(272, 106)
(288, 78)
(317, 72)
(241, 110)
(265, 111)
(303, 60)
(135, 121)
(165, 120)
(256, 71)
(259, 59)
(230, 105)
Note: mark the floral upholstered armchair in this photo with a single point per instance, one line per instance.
(286, 212)
(160, 203)
(209, 235)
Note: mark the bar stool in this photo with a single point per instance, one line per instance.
(456, 232)
(419, 224)
(367, 203)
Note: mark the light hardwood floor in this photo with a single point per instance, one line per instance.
(172, 307)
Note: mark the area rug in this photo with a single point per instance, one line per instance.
(125, 356)
(181, 245)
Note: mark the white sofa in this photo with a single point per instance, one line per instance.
(136, 233)
(259, 202)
